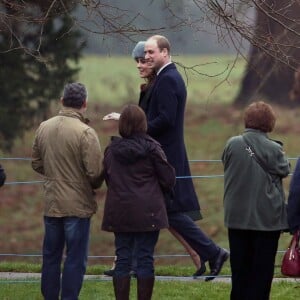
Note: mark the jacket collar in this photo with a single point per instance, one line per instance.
(163, 67)
(69, 112)
(248, 130)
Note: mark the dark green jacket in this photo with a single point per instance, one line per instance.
(253, 198)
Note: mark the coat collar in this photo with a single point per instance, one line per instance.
(69, 112)
(249, 130)
(163, 67)
(255, 131)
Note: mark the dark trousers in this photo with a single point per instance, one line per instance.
(74, 233)
(139, 244)
(194, 236)
(252, 260)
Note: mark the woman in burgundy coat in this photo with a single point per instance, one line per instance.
(137, 176)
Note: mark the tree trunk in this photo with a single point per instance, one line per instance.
(274, 55)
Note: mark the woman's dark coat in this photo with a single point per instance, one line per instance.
(294, 200)
(137, 174)
(165, 116)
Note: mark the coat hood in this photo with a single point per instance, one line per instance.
(129, 150)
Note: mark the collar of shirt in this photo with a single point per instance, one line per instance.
(163, 67)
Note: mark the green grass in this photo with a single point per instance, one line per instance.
(165, 290)
(115, 80)
(97, 288)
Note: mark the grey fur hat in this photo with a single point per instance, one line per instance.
(74, 95)
(138, 51)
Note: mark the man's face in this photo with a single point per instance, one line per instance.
(145, 69)
(154, 56)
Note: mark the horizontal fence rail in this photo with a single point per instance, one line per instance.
(177, 177)
(104, 257)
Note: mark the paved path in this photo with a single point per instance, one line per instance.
(12, 276)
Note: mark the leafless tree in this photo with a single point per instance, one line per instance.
(273, 34)
(100, 17)
(271, 27)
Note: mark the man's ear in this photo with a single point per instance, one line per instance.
(165, 51)
(62, 100)
(84, 105)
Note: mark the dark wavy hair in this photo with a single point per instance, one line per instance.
(132, 121)
(260, 115)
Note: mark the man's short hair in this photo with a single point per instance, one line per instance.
(162, 42)
(74, 95)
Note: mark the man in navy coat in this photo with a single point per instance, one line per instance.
(293, 208)
(165, 116)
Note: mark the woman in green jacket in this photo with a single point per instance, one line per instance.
(254, 203)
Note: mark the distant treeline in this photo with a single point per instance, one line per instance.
(154, 15)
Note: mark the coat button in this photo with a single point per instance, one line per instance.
(153, 225)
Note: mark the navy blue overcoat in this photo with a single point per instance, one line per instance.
(294, 200)
(165, 115)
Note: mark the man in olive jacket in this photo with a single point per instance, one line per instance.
(66, 151)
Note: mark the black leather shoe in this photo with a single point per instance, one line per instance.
(109, 272)
(217, 264)
(200, 271)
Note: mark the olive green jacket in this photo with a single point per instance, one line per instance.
(254, 198)
(66, 151)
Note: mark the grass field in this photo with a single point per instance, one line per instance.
(163, 290)
(210, 121)
(115, 80)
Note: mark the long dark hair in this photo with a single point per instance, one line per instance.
(132, 121)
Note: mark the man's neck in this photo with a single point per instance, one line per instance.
(166, 64)
(81, 110)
